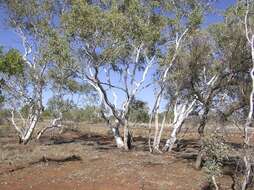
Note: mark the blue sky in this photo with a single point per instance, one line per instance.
(9, 39)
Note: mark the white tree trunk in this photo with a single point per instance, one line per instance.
(150, 132)
(54, 124)
(157, 146)
(26, 132)
(156, 123)
(181, 112)
(30, 129)
(215, 183)
(28, 125)
(159, 95)
(172, 139)
(247, 152)
(118, 138)
(110, 106)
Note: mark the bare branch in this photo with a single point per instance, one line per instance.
(54, 124)
(26, 46)
(14, 123)
(246, 22)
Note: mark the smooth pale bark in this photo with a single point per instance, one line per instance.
(155, 115)
(115, 131)
(215, 183)
(54, 124)
(105, 103)
(26, 131)
(118, 138)
(150, 132)
(157, 146)
(131, 95)
(171, 141)
(158, 98)
(156, 122)
(121, 115)
(30, 130)
(181, 113)
(247, 158)
(29, 124)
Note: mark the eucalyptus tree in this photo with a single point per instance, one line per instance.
(195, 69)
(231, 90)
(234, 61)
(233, 45)
(127, 39)
(188, 16)
(61, 82)
(244, 10)
(36, 24)
(112, 42)
(213, 71)
(234, 40)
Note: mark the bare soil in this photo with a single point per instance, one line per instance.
(88, 160)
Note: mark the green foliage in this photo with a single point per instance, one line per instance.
(71, 112)
(57, 104)
(11, 63)
(216, 150)
(114, 27)
(25, 110)
(138, 111)
(46, 114)
(4, 115)
(196, 18)
(89, 114)
(235, 56)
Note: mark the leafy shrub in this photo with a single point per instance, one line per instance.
(139, 111)
(215, 150)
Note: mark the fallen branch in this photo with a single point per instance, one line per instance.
(44, 159)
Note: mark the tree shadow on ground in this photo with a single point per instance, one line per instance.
(106, 142)
(100, 142)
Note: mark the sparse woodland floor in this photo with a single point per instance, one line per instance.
(89, 160)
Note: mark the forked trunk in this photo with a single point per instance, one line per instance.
(55, 124)
(172, 139)
(181, 112)
(30, 130)
(25, 133)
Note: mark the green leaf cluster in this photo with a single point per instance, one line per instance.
(11, 63)
(215, 150)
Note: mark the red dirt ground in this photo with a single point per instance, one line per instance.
(102, 166)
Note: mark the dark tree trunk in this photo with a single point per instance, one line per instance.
(201, 130)
(127, 138)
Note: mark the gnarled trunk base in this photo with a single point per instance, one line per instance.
(118, 138)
